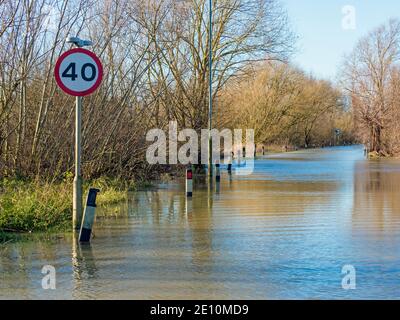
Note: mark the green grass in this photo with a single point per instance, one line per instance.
(111, 190)
(6, 237)
(32, 207)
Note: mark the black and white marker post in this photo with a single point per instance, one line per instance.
(189, 182)
(230, 168)
(231, 158)
(218, 172)
(88, 216)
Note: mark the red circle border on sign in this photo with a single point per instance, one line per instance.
(78, 93)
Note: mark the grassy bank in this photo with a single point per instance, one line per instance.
(30, 207)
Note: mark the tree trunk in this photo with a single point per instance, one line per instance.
(376, 133)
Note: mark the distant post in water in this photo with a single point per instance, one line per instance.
(218, 172)
(230, 163)
(263, 151)
(88, 216)
(189, 182)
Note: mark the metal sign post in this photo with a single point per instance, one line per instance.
(79, 73)
(210, 107)
(77, 192)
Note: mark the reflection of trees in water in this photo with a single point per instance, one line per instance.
(158, 207)
(164, 212)
(15, 270)
(116, 211)
(200, 223)
(172, 225)
(21, 265)
(277, 197)
(376, 191)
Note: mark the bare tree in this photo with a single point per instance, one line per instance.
(243, 31)
(368, 75)
(155, 57)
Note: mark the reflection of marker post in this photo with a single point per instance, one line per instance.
(218, 187)
(189, 183)
(189, 206)
(88, 217)
(218, 172)
(77, 198)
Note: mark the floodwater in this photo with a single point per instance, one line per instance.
(285, 232)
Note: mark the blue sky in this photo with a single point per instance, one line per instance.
(322, 40)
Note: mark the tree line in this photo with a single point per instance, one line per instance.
(155, 56)
(287, 107)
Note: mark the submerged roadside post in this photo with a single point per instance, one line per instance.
(230, 163)
(189, 190)
(189, 182)
(218, 172)
(217, 177)
(88, 216)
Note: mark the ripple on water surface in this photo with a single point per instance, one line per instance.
(284, 232)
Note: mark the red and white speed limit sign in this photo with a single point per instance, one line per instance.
(79, 72)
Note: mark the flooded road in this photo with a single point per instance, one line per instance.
(284, 232)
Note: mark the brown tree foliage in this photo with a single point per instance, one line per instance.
(287, 107)
(155, 56)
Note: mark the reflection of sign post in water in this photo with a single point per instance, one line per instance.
(78, 72)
